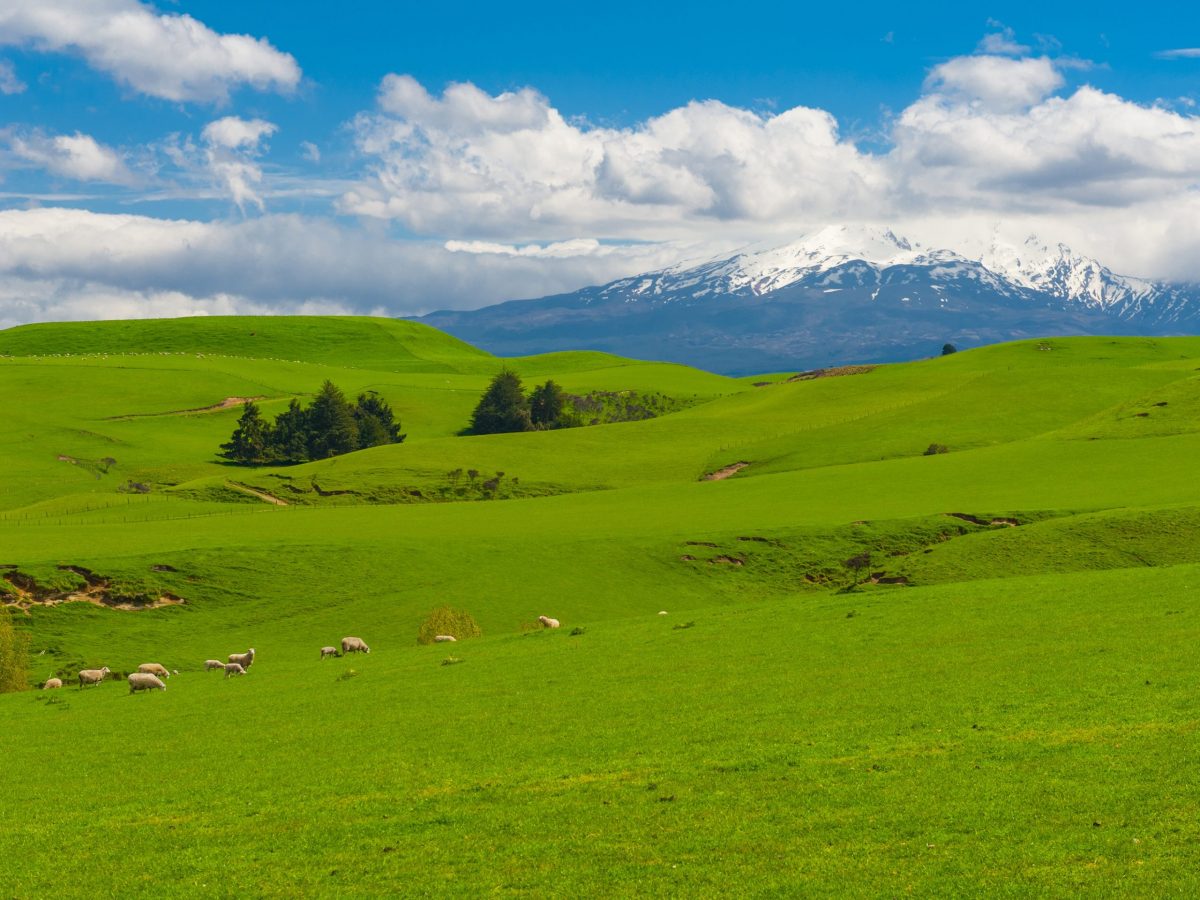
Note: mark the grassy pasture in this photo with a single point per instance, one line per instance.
(1017, 719)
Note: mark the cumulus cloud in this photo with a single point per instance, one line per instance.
(1002, 41)
(232, 146)
(995, 82)
(9, 82)
(78, 156)
(171, 56)
(512, 165)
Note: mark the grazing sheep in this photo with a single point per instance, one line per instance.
(444, 639)
(234, 669)
(245, 660)
(210, 664)
(52, 683)
(327, 652)
(154, 669)
(548, 622)
(354, 645)
(91, 676)
(144, 681)
(662, 612)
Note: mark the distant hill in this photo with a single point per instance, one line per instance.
(841, 295)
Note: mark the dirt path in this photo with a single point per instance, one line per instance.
(722, 474)
(256, 492)
(227, 403)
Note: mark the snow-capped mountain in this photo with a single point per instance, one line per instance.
(841, 294)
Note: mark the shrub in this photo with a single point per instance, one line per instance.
(447, 620)
(935, 449)
(14, 656)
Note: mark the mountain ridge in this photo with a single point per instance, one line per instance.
(839, 295)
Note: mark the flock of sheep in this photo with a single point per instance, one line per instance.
(148, 676)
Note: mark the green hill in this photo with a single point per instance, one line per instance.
(1006, 663)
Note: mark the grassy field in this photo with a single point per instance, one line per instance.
(997, 701)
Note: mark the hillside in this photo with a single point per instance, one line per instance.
(1016, 640)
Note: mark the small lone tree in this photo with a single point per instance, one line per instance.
(249, 441)
(546, 405)
(857, 563)
(503, 407)
(947, 349)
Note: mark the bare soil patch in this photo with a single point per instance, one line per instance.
(977, 520)
(832, 372)
(725, 472)
(227, 403)
(99, 591)
(256, 492)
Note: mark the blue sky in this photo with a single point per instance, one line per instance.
(576, 147)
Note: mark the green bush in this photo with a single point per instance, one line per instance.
(14, 656)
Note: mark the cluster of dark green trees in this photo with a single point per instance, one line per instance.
(330, 426)
(504, 407)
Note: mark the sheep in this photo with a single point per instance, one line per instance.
(327, 652)
(245, 660)
(210, 664)
(144, 681)
(233, 669)
(52, 683)
(662, 612)
(444, 639)
(354, 645)
(548, 622)
(154, 669)
(92, 676)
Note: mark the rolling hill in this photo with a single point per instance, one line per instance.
(994, 698)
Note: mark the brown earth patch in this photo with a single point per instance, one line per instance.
(726, 561)
(976, 520)
(256, 492)
(227, 403)
(725, 472)
(832, 372)
(99, 592)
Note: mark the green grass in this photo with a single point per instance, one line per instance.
(956, 736)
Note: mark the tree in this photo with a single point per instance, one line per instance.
(249, 441)
(857, 563)
(947, 349)
(289, 437)
(503, 407)
(331, 426)
(376, 422)
(546, 405)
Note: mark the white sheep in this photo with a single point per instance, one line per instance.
(444, 639)
(234, 669)
(354, 645)
(662, 612)
(327, 652)
(210, 664)
(154, 669)
(548, 622)
(92, 676)
(52, 683)
(144, 681)
(245, 660)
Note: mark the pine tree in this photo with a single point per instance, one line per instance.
(503, 407)
(249, 441)
(376, 422)
(289, 437)
(546, 405)
(331, 426)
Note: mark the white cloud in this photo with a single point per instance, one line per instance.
(511, 165)
(310, 151)
(78, 156)
(577, 247)
(1180, 53)
(995, 82)
(232, 146)
(9, 82)
(68, 263)
(171, 56)
(1002, 41)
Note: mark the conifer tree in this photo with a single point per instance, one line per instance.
(546, 405)
(331, 426)
(289, 438)
(503, 407)
(376, 422)
(249, 441)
